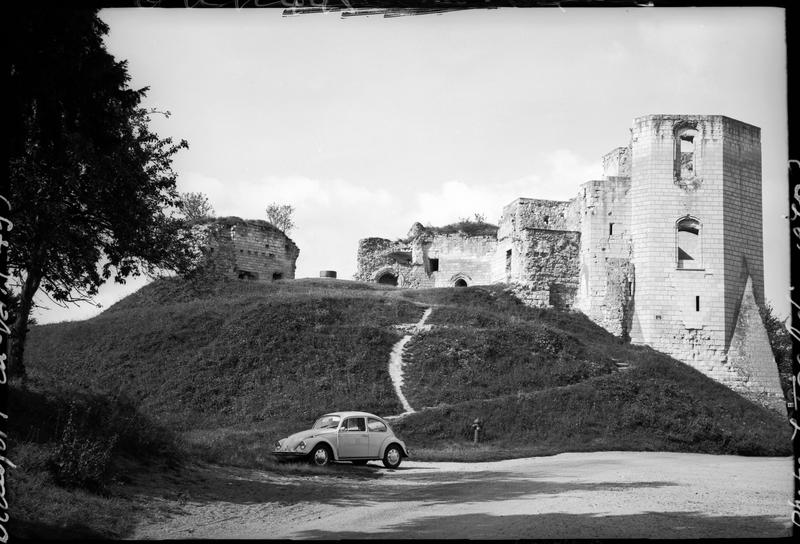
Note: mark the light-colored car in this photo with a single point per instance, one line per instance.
(345, 436)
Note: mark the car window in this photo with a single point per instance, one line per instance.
(376, 426)
(354, 424)
(327, 422)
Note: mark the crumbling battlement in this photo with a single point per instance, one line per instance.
(665, 250)
(249, 249)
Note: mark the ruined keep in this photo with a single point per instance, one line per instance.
(249, 250)
(665, 250)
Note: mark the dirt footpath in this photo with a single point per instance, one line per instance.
(572, 495)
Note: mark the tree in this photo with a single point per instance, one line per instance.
(280, 215)
(196, 206)
(90, 183)
(781, 343)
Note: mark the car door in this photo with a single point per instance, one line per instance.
(378, 432)
(353, 438)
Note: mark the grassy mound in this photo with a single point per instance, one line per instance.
(232, 366)
(271, 356)
(657, 404)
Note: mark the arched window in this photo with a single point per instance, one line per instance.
(689, 248)
(460, 282)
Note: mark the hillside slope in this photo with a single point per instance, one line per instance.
(233, 366)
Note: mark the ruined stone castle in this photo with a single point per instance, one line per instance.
(665, 250)
(249, 249)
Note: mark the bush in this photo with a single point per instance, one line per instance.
(781, 344)
(80, 459)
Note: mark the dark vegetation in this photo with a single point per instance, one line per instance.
(72, 449)
(264, 356)
(781, 343)
(184, 371)
(470, 228)
(82, 155)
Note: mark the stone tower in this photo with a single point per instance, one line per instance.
(696, 237)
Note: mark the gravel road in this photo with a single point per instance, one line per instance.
(572, 495)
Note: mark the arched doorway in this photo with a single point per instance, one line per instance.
(460, 282)
(388, 278)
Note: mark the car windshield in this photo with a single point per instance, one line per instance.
(327, 422)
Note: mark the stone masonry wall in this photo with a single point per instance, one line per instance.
(667, 315)
(375, 256)
(617, 162)
(251, 249)
(606, 274)
(428, 259)
(548, 262)
(742, 221)
(750, 355)
(460, 256)
(515, 243)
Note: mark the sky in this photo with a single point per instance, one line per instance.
(367, 124)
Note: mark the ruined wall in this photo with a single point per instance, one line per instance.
(250, 249)
(665, 250)
(606, 273)
(379, 256)
(427, 259)
(538, 250)
(548, 266)
(750, 355)
(617, 163)
(460, 257)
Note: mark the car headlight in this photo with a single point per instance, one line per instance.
(278, 445)
(301, 446)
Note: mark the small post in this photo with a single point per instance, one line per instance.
(476, 427)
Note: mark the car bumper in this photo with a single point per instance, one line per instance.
(289, 454)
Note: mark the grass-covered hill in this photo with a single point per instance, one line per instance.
(230, 367)
(179, 371)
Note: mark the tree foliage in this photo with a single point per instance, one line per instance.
(90, 183)
(195, 206)
(280, 215)
(781, 343)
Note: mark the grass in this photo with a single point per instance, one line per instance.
(242, 364)
(257, 354)
(458, 363)
(657, 405)
(64, 485)
(216, 372)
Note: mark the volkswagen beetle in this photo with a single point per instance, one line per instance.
(357, 437)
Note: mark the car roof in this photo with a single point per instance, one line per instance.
(352, 414)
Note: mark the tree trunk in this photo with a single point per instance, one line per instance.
(19, 330)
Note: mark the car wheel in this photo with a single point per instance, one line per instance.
(392, 456)
(360, 462)
(320, 455)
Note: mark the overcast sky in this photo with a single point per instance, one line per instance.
(367, 124)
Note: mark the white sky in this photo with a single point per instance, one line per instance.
(367, 124)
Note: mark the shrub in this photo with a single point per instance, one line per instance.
(781, 344)
(80, 459)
